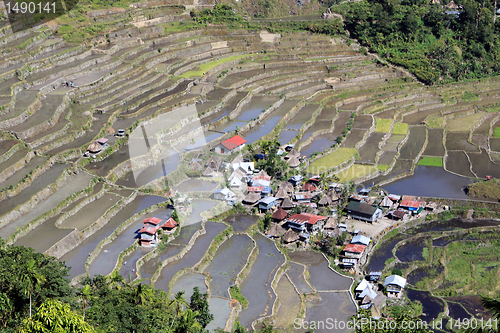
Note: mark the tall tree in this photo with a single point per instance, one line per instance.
(31, 279)
(199, 303)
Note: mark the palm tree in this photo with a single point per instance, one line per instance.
(116, 280)
(85, 296)
(178, 303)
(187, 322)
(143, 294)
(31, 279)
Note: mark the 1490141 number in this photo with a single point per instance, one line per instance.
(31, 7)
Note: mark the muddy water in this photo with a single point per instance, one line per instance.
(57, 127)
(302, 117)
(241, 223)
(269, 122)
(400, 167)
(411, 251)
(23, 99)
(435, 142)
(257, 286)
(290, 303)
(195, 185)
(482, 166)
(354, 136)
(103, 167)
(382, 253)
(219, 307)
(428, 181)
(218, 94)
(432, 306)
(459, 141)
(20, 174)
(41, 240)
(198, 206)
(230, 126)
(418, 117)
(320, 143)
(46, 112)
(150, 266)
(320, 309)
(363, 121)
(168, 163)
(187, 232)
(321, 276)
(91, 212)
(386, 158)
(457, 162)
(106, 260)
(370, 148)
(192, 257)
(472, 305)
(128, 269)
(6, 145)
(42, 181)
(286, 136)
(257, 104)
(76, 258)
(187, 282)
(296, 275)
(453, 224)
(228, 261)
(495, 144)
(414, 144)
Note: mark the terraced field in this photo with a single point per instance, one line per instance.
(175, 92)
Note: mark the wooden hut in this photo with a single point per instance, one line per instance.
(276, 231)
(214, 163)
(293, 153)
(281, 194)
(280, 214)
(293, 162)
(209, 172)
(195, 166)
(252, 198)
(95, 147)
(287, 204)
(325, 200)
(290, 236)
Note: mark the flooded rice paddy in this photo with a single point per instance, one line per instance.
(296, 275)
(289, 303)
(257, 285)
(240, 223)
(321, 307)
(187, 282)
(228, 261)
(414, 144)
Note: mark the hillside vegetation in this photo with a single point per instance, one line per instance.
(489, 189)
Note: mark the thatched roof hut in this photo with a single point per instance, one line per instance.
(261, 173)
(331, 223)
(325, 200)
(290, 236)
(95, 147)
(195, 166)
(276, 231)
(214, 163)
(334, 196)
(251, 198)
(293, 153)
(280, 214)
(238, 173)
(209, 172)
(287, 204)
(281, 194)
(285, 185)
(293, 162)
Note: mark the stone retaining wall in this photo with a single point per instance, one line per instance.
(14, 121)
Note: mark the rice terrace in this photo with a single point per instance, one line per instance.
(193, 166)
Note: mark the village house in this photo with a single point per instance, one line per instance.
(251, 198)
(399, 214)
(296, 180)
(214, 162)
(236, 143)
(303, 197)
(97, 145)
(394, 284)
(360, 239)
(151, 222)
(287, 204)
(169, 225)
(224, 194)
(413, 206)
(290, 237)
(363, 211)
(209, 172)
(267, 203)
(147, 236)
(275, 231)
(331, 228)
(354, 251)
(374, 276)
(306, 222)
(280, 214)
(235, 182)
(365, 294)
(247, 167)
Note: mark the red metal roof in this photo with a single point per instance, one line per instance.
(308, 187)
(233, 142)
(255, 188)
(356, 248)
(152, 220)
(306, 218)
(254, 178)
(148, 230)
(170, 223)
(410, 204)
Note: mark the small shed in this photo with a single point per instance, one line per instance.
(275, 231)
(235, 182)
(360, 239)
(194, 165)
(291, 154)
(290, 237)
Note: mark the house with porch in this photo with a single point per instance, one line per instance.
(394, 285)
(305, 222)
(267, 203)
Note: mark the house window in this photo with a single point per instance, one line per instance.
(222, 150)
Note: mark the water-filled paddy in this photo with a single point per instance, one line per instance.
(44, 236)
(42, 181)
(219, 307)
(128, 269)
(387, 157)
(411, 251)
(457, 311)
(321, 276)
(319, 144)
(288, 135)
(241, 223)
(192, 257)
(482, 165)
(187, 282)
(472, 305)
(414, 144)
(459, 141)
(432, 306)
(453, 224)
(302, 117)
(90, 213)
(106, 260)
(319, 309)
(45, 113)
(76, 258)
(369, 150)
(149, 267)
(103, 167)
(194, 185)
(352, 139)
(290, 303)
(5, 145)
(228, 261)
(495, 144)
(256, 106)
(435, 142)
(363, 121)
(382, 253)
(419, 116)
(296, 275)
(457, 162)
(257, 285)
(23, 172)
(429, 181)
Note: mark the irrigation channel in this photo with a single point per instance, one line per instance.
(178, 94)
(418, 253)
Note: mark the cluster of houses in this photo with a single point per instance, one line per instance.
(148, 234)
(366, 291)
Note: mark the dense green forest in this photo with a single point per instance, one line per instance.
(432, 41)
(36, 296)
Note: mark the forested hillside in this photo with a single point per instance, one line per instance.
(432, 41)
